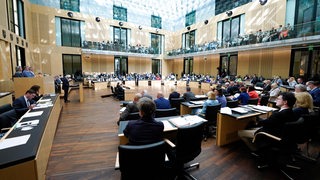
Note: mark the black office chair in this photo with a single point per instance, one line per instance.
(264, 100)
(143, 162)
(281, 151)
(211, 117)
(253, 101)
(232, 104)
(133, 116)
(165, 112)
(175, 103)
(113, 91)
(8, 119)
(186, 148)
(4, 108)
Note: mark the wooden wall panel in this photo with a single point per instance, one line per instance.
(45, 29)
(254, 62)
(243, 63)
(281, 61)
(266, 65)
(5, 61)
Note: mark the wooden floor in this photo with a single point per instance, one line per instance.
(86, 142)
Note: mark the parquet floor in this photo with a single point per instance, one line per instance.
(86, 142)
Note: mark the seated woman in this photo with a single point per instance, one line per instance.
(210, 102)
(303, 105)
(243, 97)
(252, 92)
(274, 92)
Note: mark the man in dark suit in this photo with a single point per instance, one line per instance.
(275, 123)
(65, 87)
(161, 102)
(24, 103)
(130, 108)
(314, 90)
(188, 95)
(145, 130)
(174, 93)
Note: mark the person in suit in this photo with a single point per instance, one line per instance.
(174, 93)
(65, 87)
(24, 103)
(161, 102)
(314, 90)
(18, 72)
(275, 123)
(130, 108)
(36, 88)
(220, 97)
(188, 95)
(145, 130)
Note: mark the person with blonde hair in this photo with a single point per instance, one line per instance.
(303, 105)
(211, 101)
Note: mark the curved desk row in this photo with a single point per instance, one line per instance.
(29, 160)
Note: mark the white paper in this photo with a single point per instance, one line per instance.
(15, 141)
(240, 110)
(44, 100)
(168, 126)
(180, 121)
(194, 119)
(32, 114)
(27, 123)
(263, 108)
(225, 110)
(200, 96)
(122, 109)
(197, 102)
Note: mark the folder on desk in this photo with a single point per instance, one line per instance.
(179, 121)
(197, 102)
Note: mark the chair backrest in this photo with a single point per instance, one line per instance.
(211, 113)
(142, 161)
(133, 116)
(199, 99)
(165, 112)
(232, 104)
(176, 102)
(4, 108)
(264, 100)
(253, 101)
(188, 142)
(112, 90)
(294, 133)
(8, 119)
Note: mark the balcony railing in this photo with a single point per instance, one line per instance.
(272, 35)
(119, 47)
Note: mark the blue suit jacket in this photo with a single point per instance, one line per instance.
(162, 103)
(20, 106)
(144, 131)
(315, 93)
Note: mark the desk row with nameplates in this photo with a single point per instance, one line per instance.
(171, 125)
(229, 124)
(25, 148)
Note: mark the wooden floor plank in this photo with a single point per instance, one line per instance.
(86, 143)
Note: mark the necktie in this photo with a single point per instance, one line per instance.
(28, 103)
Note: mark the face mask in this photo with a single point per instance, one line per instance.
(308, 88)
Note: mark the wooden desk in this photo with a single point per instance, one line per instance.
(156, 83)
(228, 125)
(286, 88)
(143, 83)
(186, 107)
(181, 83)
(169, 130)
(205, 87)
(194, 84)
(29, 161)
(100, 85)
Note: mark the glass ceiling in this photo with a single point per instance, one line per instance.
(166, 9)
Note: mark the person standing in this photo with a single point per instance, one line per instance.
(65, 87)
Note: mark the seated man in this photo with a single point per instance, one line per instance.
(161, 102)
(188, 95)
(275, 123)
(145, 94)
(145, 130)
(24, 103)
(130, 108)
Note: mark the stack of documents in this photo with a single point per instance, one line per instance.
(240, 110)
(197, 102)
(186, 121)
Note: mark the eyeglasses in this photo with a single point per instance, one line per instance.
(279, 99)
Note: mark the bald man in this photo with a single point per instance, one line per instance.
(161, 102)
(130, 108)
